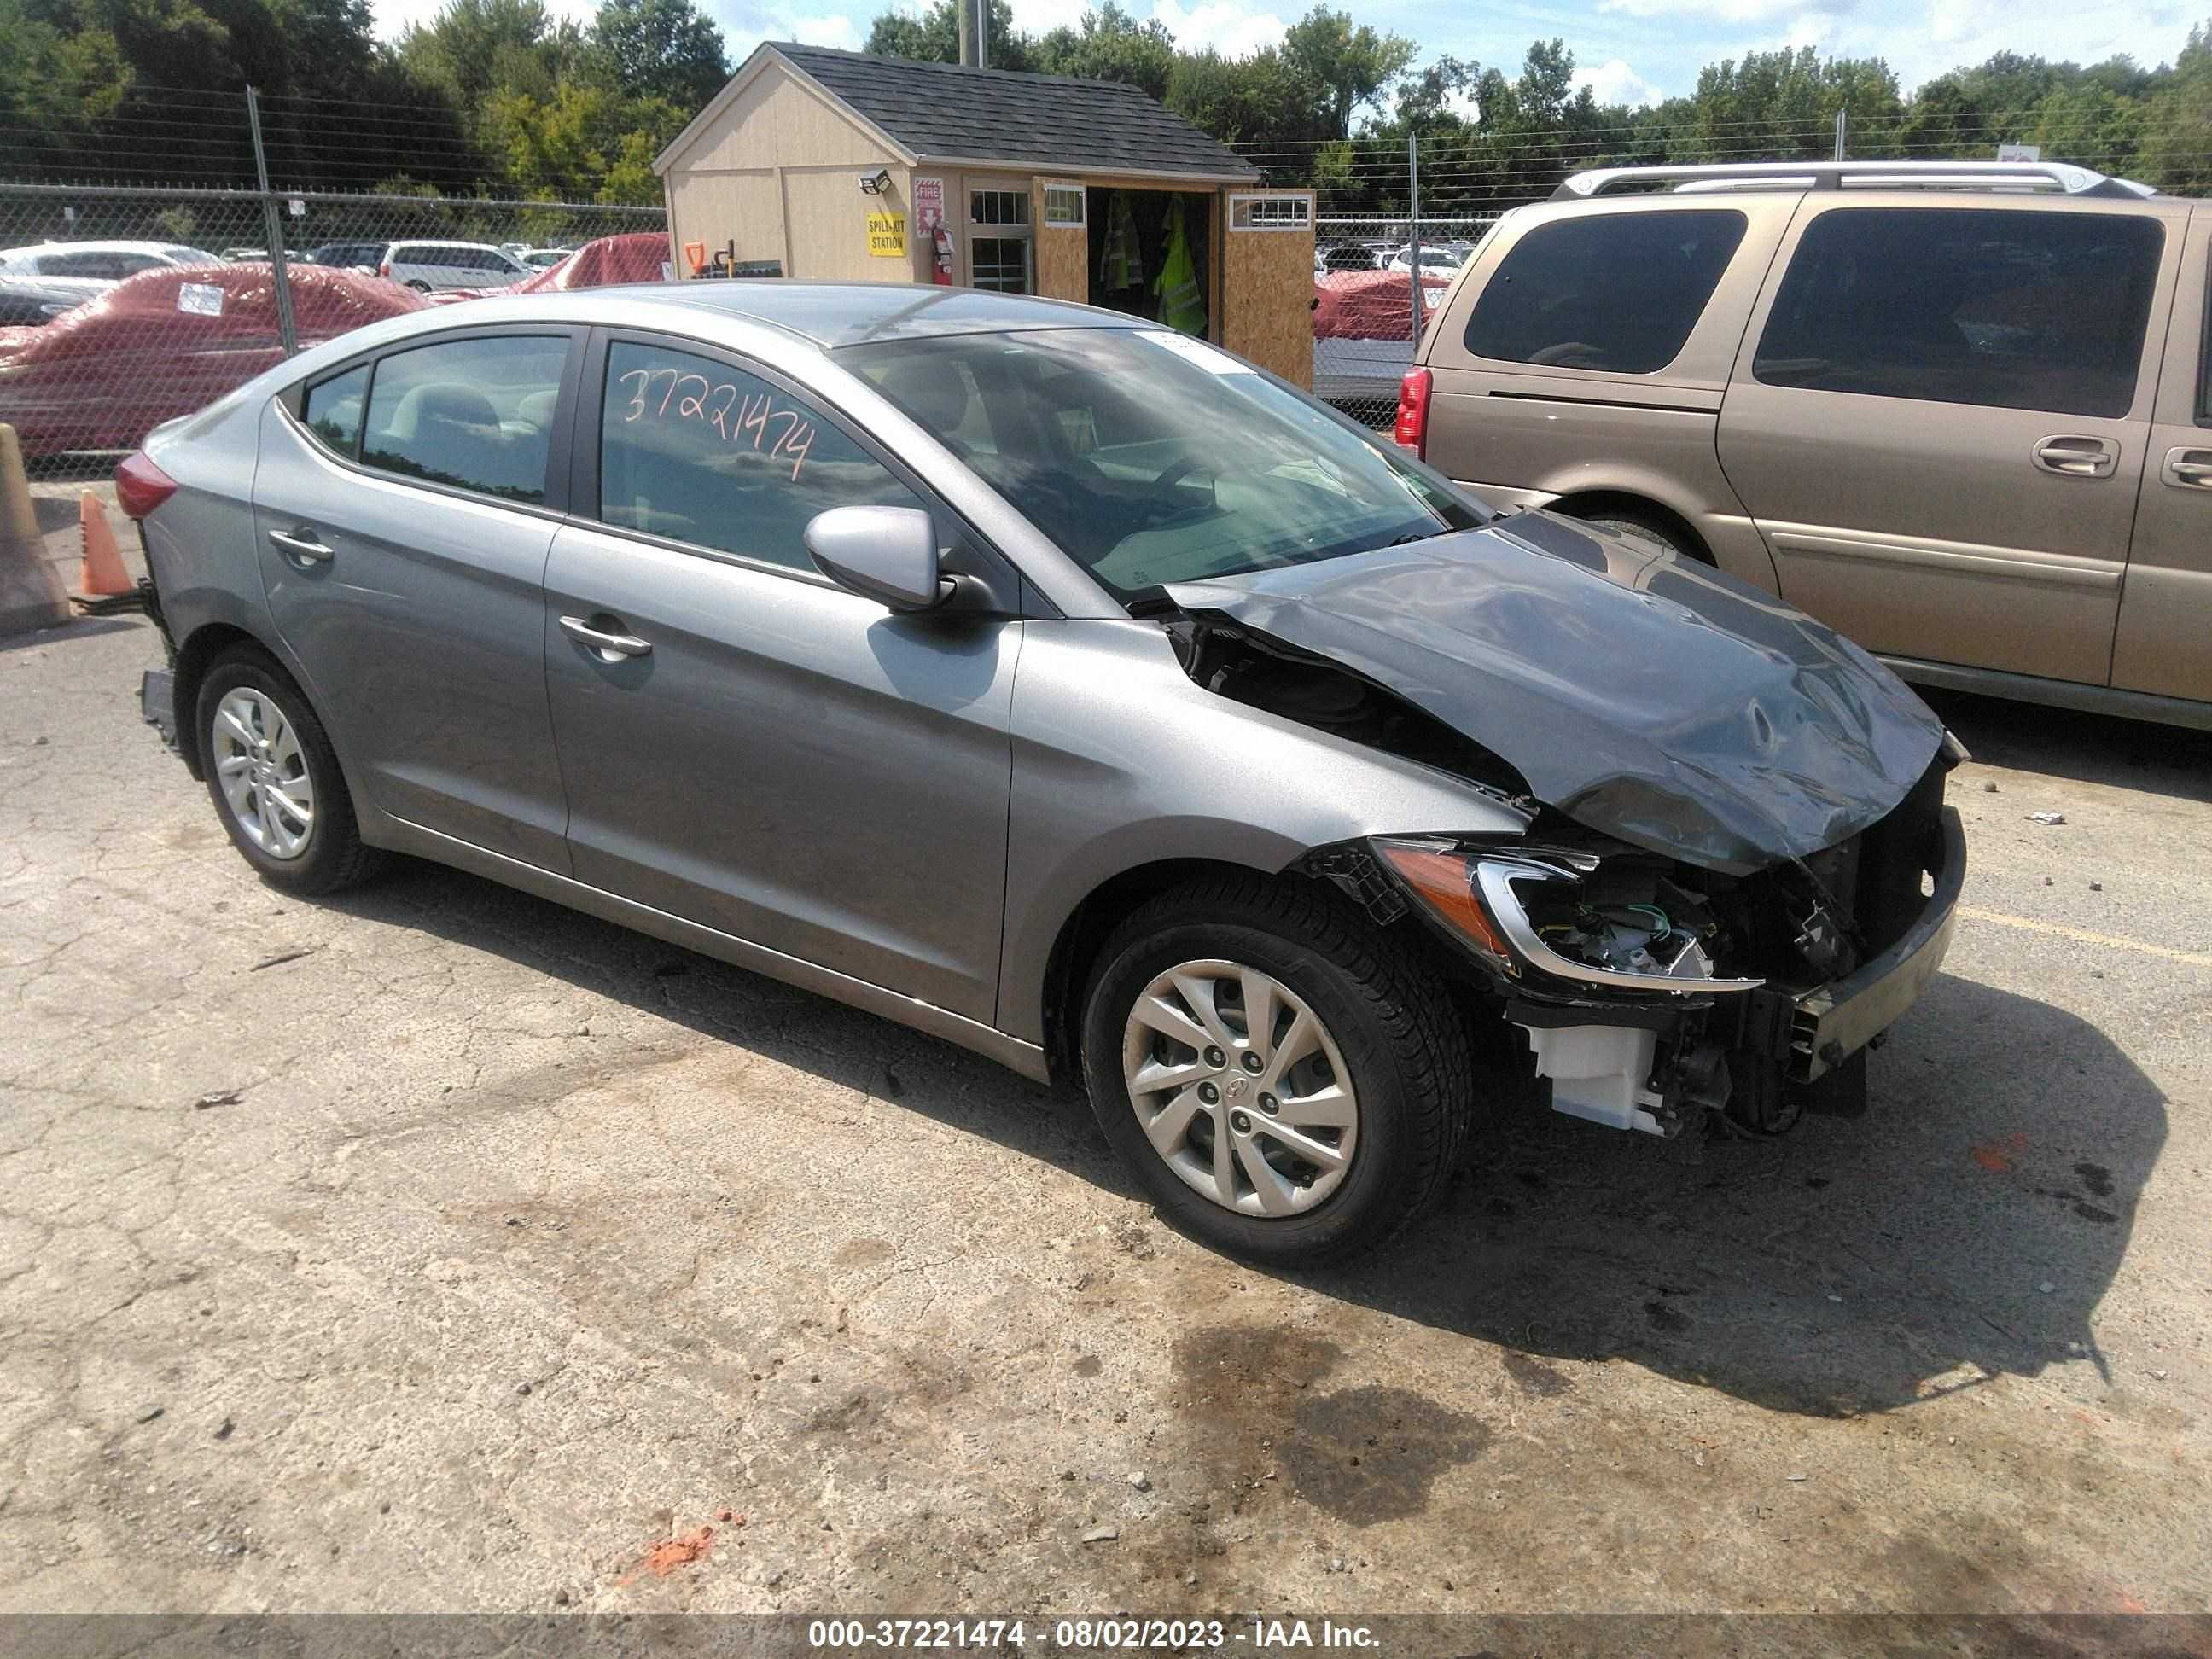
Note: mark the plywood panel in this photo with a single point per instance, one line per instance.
(718, 209)
(776, 121)
(826, 213)
(1267, 299)
(1063, 253)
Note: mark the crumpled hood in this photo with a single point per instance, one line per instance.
(1643, 695)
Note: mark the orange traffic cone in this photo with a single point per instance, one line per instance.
(103, 575)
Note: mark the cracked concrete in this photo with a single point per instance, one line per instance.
(528, 1243)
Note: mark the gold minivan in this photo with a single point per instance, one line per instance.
(1957, 410)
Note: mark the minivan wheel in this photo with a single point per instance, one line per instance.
(1652, 530)
(1279, 1075)
(274, 779)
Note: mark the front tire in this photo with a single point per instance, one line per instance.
(274, 779)
(1285, 1080)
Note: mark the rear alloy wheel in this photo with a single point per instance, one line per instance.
(274, 778)
(1288, 1082)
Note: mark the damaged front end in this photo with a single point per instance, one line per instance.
(1650, 989)
(1738, 869)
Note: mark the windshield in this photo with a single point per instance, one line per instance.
(1150, 458)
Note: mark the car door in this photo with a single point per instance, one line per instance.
(2164, 645)
(1939, 416)
(747, 746)
(406, 506)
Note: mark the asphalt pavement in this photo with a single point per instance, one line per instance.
(435, 1247)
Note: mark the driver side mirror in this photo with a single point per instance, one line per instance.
(887, 554)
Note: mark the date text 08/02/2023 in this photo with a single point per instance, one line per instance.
(1182, 1636)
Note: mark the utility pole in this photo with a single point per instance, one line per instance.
(1414, 224)
(273, 226)
(982, 34)
(966, 10)
(1843, 125)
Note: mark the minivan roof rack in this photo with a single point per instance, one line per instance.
(2061, 177)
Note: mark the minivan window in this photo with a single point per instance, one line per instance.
(333, 410)
(703, 453)
(1151, 458)
(476, 413)
(1617, 293)
(1981, 306)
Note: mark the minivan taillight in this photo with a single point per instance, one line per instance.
(141, 486)
(1411, 429)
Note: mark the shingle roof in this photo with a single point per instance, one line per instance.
(948, 112)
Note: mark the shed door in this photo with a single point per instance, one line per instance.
(1266, 281)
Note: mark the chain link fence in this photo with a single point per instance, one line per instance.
(123, 307)
(1364, 316)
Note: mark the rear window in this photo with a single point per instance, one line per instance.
(1614, 293)
(2007, 310)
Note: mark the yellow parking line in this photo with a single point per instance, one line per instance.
(2083, 936)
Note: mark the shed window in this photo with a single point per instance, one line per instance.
(1063, 205)
(999, 207)
(1270, 212)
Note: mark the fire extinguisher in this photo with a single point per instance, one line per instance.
(942, 241)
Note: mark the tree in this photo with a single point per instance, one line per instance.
(934, 37)
(1110, 46)
(661, 49)
(1343, 67)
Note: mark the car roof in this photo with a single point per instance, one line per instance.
(445, 241)
(838, 314)
(104, 246)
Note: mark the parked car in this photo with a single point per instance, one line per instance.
(1316, 783)
(34, 301)
(1347, 256)
(634, 256)
(427, 267)
(1957, 410)
(349, 256)
(88, 270)
(1443, 260)
(1363, 328)
(545, 258)
(259, 252)
(168, 342)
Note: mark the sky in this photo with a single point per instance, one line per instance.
(1628, 50)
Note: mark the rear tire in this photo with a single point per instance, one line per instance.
(274, 779)
(1382, 1098)
(1652, 530)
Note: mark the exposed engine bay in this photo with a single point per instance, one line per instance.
(1651, 990)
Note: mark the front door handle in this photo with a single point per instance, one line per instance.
(610, 646)
(299, 542)
(2190, 468)
(2073, 456)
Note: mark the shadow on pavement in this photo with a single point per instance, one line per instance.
(1967, 1226)
(2165, 760)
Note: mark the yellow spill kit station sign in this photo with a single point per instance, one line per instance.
(887, 235)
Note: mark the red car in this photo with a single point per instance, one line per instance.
(637, 257)
(167, 341)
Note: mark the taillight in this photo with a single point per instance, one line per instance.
(384, 270)
(141, 486)
(1411, 429)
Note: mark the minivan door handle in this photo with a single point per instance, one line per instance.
(2190, 468)
(610, 645)
(2073, 456)
(299, 542)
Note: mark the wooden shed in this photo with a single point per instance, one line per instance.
(818, 163)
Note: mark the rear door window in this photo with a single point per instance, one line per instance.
(470, 413)
(699, 451)
(1980, 306)
(333, 408)
(1614, 293)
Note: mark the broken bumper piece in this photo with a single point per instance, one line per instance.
(157, 702)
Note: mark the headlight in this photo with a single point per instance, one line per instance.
(1521, 908)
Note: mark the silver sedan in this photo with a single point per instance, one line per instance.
(1062, 686)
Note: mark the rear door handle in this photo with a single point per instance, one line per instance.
(2190, 468)
(2073, 456)
(299, 542)
(610, 645)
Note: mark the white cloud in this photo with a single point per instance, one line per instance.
(1229, 26)
(1613, 82)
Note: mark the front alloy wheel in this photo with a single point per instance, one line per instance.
(1287, 1082)
(1240, 1088)
(263, 772)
